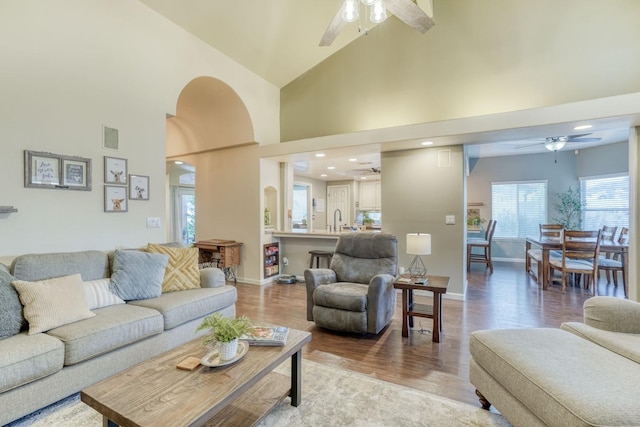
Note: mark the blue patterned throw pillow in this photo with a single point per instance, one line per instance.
(137, 275)
(11, 318)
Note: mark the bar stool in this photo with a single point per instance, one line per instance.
(317, 255)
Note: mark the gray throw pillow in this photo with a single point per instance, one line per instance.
(11, 319)
(137, 275)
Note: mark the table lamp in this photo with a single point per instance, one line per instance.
(418, 244)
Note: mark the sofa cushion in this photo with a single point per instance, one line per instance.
(91, 265)
(137, 275)
(26, 358)
(181, 307)
(112, 327)
(344, 296)
(563, 379)
(11, 319)
(53, 302)
(182, 270)
(627, 345)
(98, 294)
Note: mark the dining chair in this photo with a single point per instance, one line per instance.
(611, 262)
(579, 256)
(546, 231)
(608, 233)
(484, 244)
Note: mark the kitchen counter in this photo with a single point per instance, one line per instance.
(308, 234)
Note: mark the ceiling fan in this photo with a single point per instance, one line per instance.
(369, 171)
(555, 143)
(406, 10)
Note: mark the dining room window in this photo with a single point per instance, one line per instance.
(605, 201)
(518, 207)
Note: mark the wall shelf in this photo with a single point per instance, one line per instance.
(8, 209)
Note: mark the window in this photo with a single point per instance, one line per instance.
(300, 211)
(518, 207)
(605, 201)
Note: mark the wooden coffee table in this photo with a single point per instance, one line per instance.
(156, 393)
(437, 285)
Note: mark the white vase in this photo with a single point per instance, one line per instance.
(228, 350)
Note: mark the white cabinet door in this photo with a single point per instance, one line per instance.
(369, 196)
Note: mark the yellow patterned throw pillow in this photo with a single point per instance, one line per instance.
(182, 269)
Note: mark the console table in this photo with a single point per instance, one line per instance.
(225, 253)
(437, 285)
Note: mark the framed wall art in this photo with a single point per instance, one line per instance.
(115, 171)
(56, 171)
(110, 137)
(138, 187)
(115, 198)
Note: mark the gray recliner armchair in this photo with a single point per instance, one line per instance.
(356, 293)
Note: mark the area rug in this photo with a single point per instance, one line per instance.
(330, 397)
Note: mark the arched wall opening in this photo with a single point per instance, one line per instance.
(212, 130)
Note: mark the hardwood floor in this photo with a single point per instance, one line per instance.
(508, 298)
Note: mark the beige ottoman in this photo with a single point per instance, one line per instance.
(552, 377)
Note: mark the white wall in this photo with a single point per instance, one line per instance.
(70, 66)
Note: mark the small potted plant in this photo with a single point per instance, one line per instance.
(225, 331)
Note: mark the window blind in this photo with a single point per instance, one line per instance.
(518, 207)
(605, 201)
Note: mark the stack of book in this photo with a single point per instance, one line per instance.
(267, 335)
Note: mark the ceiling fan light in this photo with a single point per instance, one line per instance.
(378, 12)
(554, 145)
(351, 11)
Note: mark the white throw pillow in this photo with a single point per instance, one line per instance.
(98, 294)
(53, 302)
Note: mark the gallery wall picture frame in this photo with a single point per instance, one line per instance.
(138, 187)
(115, 198)
(56, 171)
(115, 170)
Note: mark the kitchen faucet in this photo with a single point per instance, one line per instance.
(337, 211)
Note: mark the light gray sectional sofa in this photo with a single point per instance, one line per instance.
(583, 374)
(42, 368)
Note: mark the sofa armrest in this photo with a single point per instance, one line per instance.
(212, 277)
(314, 278)
(381, 302)
(612, 314)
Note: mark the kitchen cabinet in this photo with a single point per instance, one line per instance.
(369, 196)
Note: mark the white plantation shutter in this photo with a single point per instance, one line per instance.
(519, 207)
(605, 201)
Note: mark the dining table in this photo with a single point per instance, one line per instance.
(548, 244)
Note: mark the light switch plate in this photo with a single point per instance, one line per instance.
(450, 220)
(153, 222)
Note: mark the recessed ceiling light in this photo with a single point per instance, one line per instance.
(363, 177)
(323, 175)
(353, 160)
(582, 127)
(331, 167)
(320, 155)
(178, 162)
(426, 143)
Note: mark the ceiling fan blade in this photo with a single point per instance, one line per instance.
(584, 139)
(529, 145)
(333, 29)
(409, 13)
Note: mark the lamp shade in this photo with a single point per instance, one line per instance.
(418, 244)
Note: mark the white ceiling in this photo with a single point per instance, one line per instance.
(278, 40)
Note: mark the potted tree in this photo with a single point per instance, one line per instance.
(569, 209)
(225, 331)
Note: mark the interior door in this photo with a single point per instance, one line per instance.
(338, 203)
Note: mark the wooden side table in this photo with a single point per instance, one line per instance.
(437, 285)
(226, 253)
